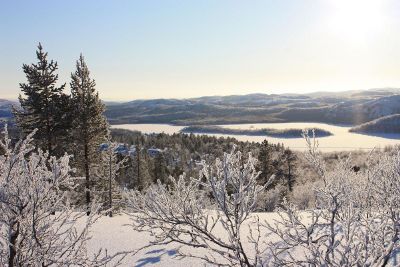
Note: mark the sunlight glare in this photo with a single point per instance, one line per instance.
(356, 20)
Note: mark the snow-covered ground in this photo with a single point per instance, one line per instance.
(114, 234)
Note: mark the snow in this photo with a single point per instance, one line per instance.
(115, 235)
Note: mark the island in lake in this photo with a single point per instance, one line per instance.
(277, 133)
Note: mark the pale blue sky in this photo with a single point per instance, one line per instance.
(175, 49)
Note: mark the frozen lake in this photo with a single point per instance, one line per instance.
(341, 139)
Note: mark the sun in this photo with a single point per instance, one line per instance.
(358, 20)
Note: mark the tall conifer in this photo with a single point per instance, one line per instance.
(44, 106)
(90, 127)
(160, 170)
(265, 162)
(141, 169)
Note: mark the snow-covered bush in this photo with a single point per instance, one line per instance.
(271, 198)
(303, 196)
(181, 212)
(355, 223)
(37, 225)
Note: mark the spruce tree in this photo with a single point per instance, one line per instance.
(90, 126)
(160, 170)
(140, 167)
(44, 106)
(265, 162)
(289, 159)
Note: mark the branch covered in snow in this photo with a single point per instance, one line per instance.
(37, 224)
(106, 173)
(356, 222)
(180, 213)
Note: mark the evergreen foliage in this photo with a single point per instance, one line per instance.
(44, 106)
(140, 169)
(89, 124)
(288, 158)
(265, 165)
(160, 170)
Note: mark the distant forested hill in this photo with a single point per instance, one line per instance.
(5, 111)
(388, 124)
(351, 107)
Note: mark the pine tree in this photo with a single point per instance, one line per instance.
(44, 106)
(265, 162)
(90, 127)
(140, 166)
(160, 170)
(289, 158)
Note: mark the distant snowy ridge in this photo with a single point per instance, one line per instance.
(386, 124)
(353, 108)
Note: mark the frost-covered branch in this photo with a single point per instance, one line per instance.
(106, 173)
(208, 212)
(38, 227)
(356, 222)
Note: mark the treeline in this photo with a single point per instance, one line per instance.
(278, 133)
(184, 153)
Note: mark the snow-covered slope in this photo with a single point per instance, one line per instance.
(359, 111)
(5, 108)
(386, 124)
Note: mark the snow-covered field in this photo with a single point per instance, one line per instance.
(115, 235)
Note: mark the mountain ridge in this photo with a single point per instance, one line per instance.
(350, 107)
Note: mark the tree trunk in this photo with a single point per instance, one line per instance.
(110, 188)
(141, 187)
(13, 240)
(48, 132)
(290, 182)
(48, 128)
(87, 175)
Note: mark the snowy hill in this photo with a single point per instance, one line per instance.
(386, 124)
(5, 108)
(352, 107)
(357, 111)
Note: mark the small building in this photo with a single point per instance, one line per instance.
(132, 151)
(121, 149)
(153, 152)
(103, 146)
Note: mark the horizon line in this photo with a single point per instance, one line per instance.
(227, 95)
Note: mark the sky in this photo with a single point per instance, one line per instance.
(179, 49)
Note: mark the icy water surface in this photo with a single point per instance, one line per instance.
(341, 139)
